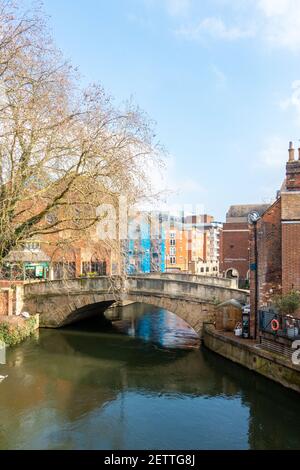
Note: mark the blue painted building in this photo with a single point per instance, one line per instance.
(145, 249)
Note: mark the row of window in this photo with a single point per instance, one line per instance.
(203, 270)
(61, 270)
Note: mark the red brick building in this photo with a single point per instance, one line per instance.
(63, 253)
(275, 244)
(234, 246)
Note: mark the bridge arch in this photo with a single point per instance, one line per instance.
(56, 312)
(60, 303)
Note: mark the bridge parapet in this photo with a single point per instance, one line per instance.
(171, 285)
(185, 289)
(80, 285)
(197, 278)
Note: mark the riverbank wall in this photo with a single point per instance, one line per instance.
(251, 355)
(14, 330)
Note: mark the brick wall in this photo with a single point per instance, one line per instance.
(235, 248)
(293, 175)
(6, 301)
(290, 257)
(278, 243)
(290, 241)
(269, 259)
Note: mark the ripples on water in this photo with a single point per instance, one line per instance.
(151, 388)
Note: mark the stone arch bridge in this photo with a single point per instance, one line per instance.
(192, 298)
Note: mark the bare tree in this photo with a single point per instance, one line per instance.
(63, 150)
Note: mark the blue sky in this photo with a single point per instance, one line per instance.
(221, 78)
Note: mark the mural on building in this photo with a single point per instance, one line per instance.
(145, 249)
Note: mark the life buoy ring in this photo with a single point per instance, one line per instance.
(275, 325)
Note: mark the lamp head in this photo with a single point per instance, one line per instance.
(253, 217)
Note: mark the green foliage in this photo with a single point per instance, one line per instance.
(89, 275)
(288, 303)
(12, 334)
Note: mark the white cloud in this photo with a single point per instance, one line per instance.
(215, 28)
(280, 25)
(274, 7)
(273, 155)
(274, 22)
(293, 101)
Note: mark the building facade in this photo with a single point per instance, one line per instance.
(177, 249)
(235, 243)
(275, 245)
(145, 249)
(193, 245)
(49, 259)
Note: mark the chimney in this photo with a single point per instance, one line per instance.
(293, 170)
(291, 152)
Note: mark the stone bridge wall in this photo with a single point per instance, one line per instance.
(184, 289)
(201, 279)
(62, 302)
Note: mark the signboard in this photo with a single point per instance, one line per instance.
(39, 271)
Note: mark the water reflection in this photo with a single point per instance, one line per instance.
(81, 388)
(154, 325)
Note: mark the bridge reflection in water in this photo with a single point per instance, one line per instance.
(80, 388)
(154, 324)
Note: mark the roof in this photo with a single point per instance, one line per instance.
(240, 212)
(27, 256)
(232, 303)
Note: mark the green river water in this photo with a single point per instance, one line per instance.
(143, 384)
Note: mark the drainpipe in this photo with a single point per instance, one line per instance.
(256, 280)
(253, 218)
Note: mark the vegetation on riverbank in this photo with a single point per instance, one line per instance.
(14, 332)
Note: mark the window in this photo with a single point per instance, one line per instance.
(202, 270)
(96, 267)
(173, 250)
(172, 260)
(33, 246)
(172, 242)
(64, 270)
(172, 234)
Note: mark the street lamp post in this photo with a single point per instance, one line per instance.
(253, 218)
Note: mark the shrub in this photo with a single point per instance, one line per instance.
(288, 303)
(12, 334)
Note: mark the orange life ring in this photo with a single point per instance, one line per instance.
(275, 325)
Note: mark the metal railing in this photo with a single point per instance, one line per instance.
(289, 326)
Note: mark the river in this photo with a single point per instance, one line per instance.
(143, 384)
